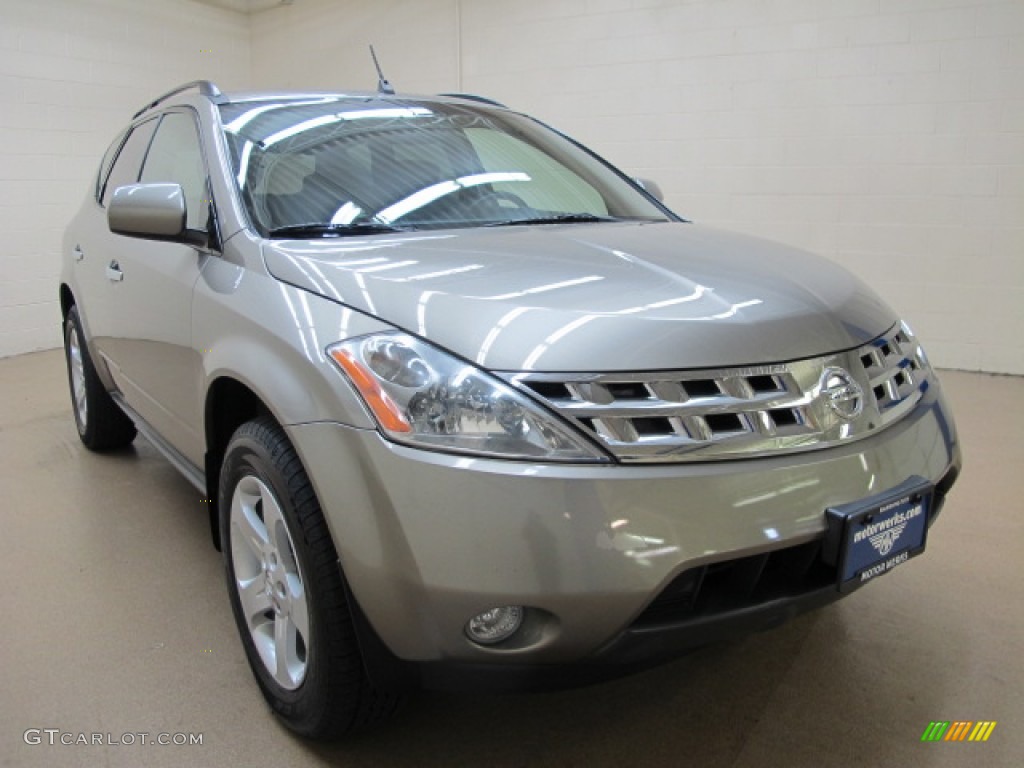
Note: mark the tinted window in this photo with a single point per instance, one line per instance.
(565, 190)
(174, 156)
(108, 160)
(129, 159)
(347, 162)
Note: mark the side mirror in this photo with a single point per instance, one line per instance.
(151, 211)
(651, 188)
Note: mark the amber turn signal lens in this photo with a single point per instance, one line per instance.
(385, 410)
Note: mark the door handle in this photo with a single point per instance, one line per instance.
(77, 253)
(114, 273)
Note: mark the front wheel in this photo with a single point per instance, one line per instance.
(286, 589)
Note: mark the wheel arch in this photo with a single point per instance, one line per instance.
(229, 404)
(248, 376)
(67, 300)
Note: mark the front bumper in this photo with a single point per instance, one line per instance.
(428, 540)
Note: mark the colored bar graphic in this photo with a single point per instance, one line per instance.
(982, 731)
(958, 730)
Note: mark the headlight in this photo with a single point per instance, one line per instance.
(424, 397)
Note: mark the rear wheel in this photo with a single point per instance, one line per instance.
(287, 592)
(101, 424)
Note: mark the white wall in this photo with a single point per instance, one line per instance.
(72, 73)
(887, 135)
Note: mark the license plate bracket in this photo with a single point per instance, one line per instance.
(868, 538)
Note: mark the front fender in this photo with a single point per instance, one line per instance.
(272, 337)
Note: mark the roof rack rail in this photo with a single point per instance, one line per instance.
(206, 88)
(474, 97)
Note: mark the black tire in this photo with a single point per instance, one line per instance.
(101, 424)
(324, 692)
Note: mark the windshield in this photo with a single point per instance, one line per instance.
(333, 165)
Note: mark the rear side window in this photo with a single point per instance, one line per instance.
(129, 159)
(175, 157)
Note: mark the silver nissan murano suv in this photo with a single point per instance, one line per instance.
(472, 409)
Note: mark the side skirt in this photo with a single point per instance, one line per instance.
(191, 472)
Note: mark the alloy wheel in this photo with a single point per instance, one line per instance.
(78, 378)
(270, 586)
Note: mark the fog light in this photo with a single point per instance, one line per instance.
(495, 625)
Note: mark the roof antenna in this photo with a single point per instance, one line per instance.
(383, 86)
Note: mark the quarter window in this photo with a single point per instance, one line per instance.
(129, 159)
(108, 160)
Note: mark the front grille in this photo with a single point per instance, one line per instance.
(740, 583)
(736, 412)
(896, 368)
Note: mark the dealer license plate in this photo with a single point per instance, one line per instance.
(877, 534)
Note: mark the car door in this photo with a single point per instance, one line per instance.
(159, 371)
(96, 294)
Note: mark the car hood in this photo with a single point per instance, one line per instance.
(593, 297)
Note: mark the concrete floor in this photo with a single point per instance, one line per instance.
(116, 620)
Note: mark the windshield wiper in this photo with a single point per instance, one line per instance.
(315, 229)
(560, 218)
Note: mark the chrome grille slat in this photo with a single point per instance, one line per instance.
(703, 406)
(661, 416)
